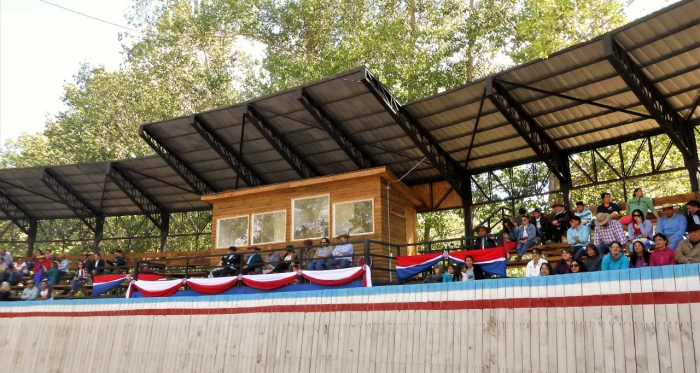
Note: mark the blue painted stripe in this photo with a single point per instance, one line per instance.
(691, 271)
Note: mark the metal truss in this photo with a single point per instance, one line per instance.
(298, 163)
(494, 187)
(538, 140)
(358, 156)
(191, 177)
(15, 212)
(86, 213)
(230, 156)
(675, 127)
(456, 175)
(152, 209)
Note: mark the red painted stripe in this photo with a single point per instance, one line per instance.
(519, 303)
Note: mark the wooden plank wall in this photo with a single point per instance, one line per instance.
(619, 321)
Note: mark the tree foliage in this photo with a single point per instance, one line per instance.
(194, 55)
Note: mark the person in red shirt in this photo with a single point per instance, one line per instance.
(661, 255)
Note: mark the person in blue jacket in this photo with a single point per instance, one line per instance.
(527, 237)
(615, 259)
(672, 225)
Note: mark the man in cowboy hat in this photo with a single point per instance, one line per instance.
(482, 241)
(30, 292)
(229, 262)
(559, 223)
(672, 225)
(692, 209)
(342, 254)
(688, 251)
(607, 231)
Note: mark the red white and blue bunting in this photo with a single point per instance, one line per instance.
(271, 281)
(492, 261)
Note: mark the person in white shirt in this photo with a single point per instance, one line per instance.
(533, 266)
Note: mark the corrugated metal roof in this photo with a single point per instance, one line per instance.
(575, 97)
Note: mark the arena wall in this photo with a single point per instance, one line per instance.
(640, 320)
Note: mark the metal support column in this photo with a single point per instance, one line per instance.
(164, 231)
(467, 206)
(99, 230)
(692, 163)
(31, 237)
(565, 184)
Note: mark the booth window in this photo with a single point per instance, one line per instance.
(269, 227)
(232, 232)
(356, 217)
(310, 217)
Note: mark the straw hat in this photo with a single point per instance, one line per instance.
(601, 218)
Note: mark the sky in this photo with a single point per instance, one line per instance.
(42, 46)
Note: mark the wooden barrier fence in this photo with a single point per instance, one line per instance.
(637, 320)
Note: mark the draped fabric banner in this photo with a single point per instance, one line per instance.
(155, 288)
(492, 261)
(335, 277)
(104, 284)
(270, 281)
(142, 276)
(211, 286)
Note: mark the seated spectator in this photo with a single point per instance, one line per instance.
(546, 269)
(89, 264)
(272, 259)
(688, 251)
(638, 202)
(577, 266)
(672, 225)
(640, 257)
(40, 263)
(584, 213)
(693, 212)
(4, 270)
(559, 223)
(32, 261)
(510, 234)
(253, 262)
(52, 275)
(522, 212)
(307, 253)
(228, 262)
(615, 259)
(578, 236)
(119, 261)
(540, 222)
(593, 258)
(45, 293)
(471, 271)
(448, 276)
(321, 256)
(6, 256)
(80, 278)
(527, 237)
(608, 206)
(342, 253)
(49, 255)
(18, 271)
(606, 232)
(533, 267)
(640, 229)
(564, 264)
(437, 275)
(5, 291)
(288, 260)
(483, 241)
(144, 268)
(98, 265)
(661, 256)
(457, 275)
(30, 292)
(64, 265)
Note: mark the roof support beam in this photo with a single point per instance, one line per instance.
(299, 164)
(86, 213)
(673, 125)
(456, 175)
(535, 137)
(148, 206)
(15, 212)
(191, 177)
(230, 156)
(358, 156)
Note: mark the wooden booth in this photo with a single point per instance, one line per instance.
(288, 213)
